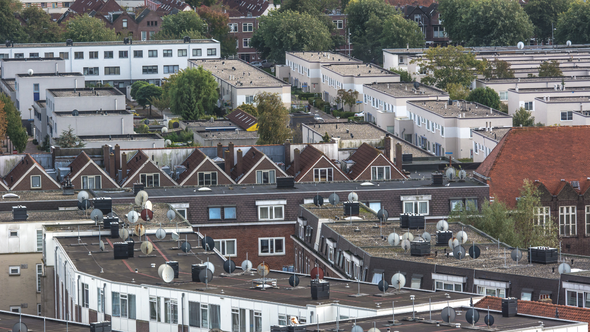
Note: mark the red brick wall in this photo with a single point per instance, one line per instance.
(240, 35)
(92, 169)
(46, 183)
(207, 167)
(323, 163)
(151, 168)
(92, 315)
(264, 165)
(381, 161)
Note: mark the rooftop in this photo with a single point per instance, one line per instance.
(107, 43)
(201, 124)
(29, 59)
(128, 137)
(324, 57)
(534, 79)
(495, 134)
(95, 113)
(557, 100)
(233, 134)
(568, 89)
(466, 109)
(39, 323)
(404, 89)
(239, 73)
(49, 74)
(85, 92)
(9, 82)
(359, 70)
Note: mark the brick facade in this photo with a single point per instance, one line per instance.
(46, 182)
(90, 170)
(207, 166)
(324, 163)
(245, 52)
(150, 167)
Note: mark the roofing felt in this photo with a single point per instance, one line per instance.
(533, 79)
(568, 89)
(239, 73)
(112, 43)
(360, 70)
(466, 109)
(241, 118)
(191, 162)
(517, 157)
(405, 89)
(495, 134)
(85, 92)
(557, 100)
(99, 6)
(324, 57)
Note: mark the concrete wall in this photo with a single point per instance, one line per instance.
(86, 124)
(517, 99)
(126, 144)
(105, 101)
(11, 68)
(549, 112)
(502, 87)
(24, 91)
(487, 143)
(20, 290)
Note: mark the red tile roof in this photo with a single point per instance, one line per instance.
(242, 119)
(547, 154)
(541, 309)
(191, 162)
(99, 6)
(19, 170)
(308, 157)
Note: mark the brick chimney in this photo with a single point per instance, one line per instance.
(123, 165)
(398, 156)
(287, 146)
(296, 161)
(219, 150)
(112, 170)
(239, 163)
(105, 157)
(227, 163)
(230, 147)
(117, 157)
(387, 147)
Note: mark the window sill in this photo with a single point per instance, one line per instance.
(281, 254)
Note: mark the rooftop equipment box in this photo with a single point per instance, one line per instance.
(320, 290)
(544, 255)
(419, 248)
(442, 238)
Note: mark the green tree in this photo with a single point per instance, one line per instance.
(88, 29)
(68, 139)
(550, 69)
(523, 118)
(273, 118)
(488, 97)
(446, 65)
(218, 29)
(146, 94)
(543, 13)
(347, 97)
(249, 108)
(313, 7)
(135, 87)
(495, 69)
(288, 31)
(326, 138)
(3, 121)
(199, 3)
(179, 25)
(404, 76)
(193, 93)
(573, 24)
(454, 14)
(457, 91)
(10, 29)
(14, 125)
(40, 28)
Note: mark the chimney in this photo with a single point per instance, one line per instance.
(287, 152)
(296, 161)
(230, 147)
(387, 148)
(239, 162)
(123, 165)
(112, 170)
(228, 164)
(117, 157)
(105, 157)
(398, 156)
(219, 150)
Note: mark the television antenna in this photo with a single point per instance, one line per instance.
(20, 326)
(147, 214)
(229, 266)
(453, 242)
(96, 215)
(83, 195)
(246, 266)
(520, 45)
(474, 251)
(472, 316)
(450, 173)
(123, 233)
(208, 243)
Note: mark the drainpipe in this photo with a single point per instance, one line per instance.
(56, 286)
(182, 307)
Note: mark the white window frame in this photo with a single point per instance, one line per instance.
(85, 183)
(40, 183)
(38, 275)
(100, 299)
(385, 169)
(246, 42)
(146, 175)
(569, 116)
(14, 270)
(39, 240)
(317, 172)
(221, 245)
(249, 27)
(15, 309)
(339, 24)
(206, 182)
(416, 205)
(283, 319)
(249, 99)
(491, 291)
(233, 27)
(587, 209)
(271, 176)
(565, 219)
(271, 212)
(39, 309)
(12, 231)
(272, 246)
(85, 296)
(542, 215)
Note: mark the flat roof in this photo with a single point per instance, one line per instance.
(234, 134)
(239, 74)
(95, 113)
(106, 43)
(9, 82)
(85, 92)
(29, 59)
(534, 79)
(495, 134)
(197, 125)
(499, 50)
(359, 70)
(324, 57)
(467, 109)
(406, 89)
(128, 137)
(557, 100)
(237, 284)
(568, 89)
(39, 323)
(49, 74)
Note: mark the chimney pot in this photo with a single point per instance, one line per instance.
(239, 163)
(296, 156)
(219, 150)
(228, 164)
(112, 170)
(398, 156)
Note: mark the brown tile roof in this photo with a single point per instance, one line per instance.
(243, 7)
(307, 158)
(80, 161)
(172, 6)
(242, 119)
(133, 164)
(191, 162)
(547, 154)
(249, 159)
(19, 170)
(363, 157)
(541, 309)
(99, 6)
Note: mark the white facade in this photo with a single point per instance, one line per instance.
(562, 111)
(305, 68)
(525, 98)
(30, 88)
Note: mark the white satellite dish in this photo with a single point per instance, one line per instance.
(30, 72)
(520, 45)
(442, 226)
(83, 195)
(210, 266)
(246, 265)
(160, 234)
(123, 233)
(353, 197)
(450, 173)
(426, 236)
(462, 174)
(161, 268)
(564, 268)
(462, 237)
(164, 130)
(147, 247)
(148, 205)
(393, 239)
(101, 245)
(568, 43)
(141, 198)
(408, 236)
(398, 281)
(175, 236)
(168, 142)
(406, 245)
(167, 273)
(453, 242)
(132, 216)
(171, 214)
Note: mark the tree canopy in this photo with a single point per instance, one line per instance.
(193, 93)
(40, 28)
(488, 97)
(446, 65)
(457, 91)
(146, 93)
(217, 22)
(273, 118)
(14, 126)
(573, 24)
(523, 118)
(550, 69)
(545, 12)
(250, 109)
(495, 69)
(88, 29)
(68, 139)
(314, 7)
(289, 31)
(135, 87)
(179, 25)
(10, 29)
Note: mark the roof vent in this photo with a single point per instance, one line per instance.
(19, 213)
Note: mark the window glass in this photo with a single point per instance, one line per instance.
(194, 311)
(416, 282)
(526, 296)
(229, 212)
(215, 213)
(116, 305)
(36, 181)
(375, 206)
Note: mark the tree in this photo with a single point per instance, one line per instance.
(3, 121)
(10, 29)
(404, 76)
(88, 29)
(135, 87)
(193, 93)
(249, 108)
(446, 65)
(313, 7)
(347, 97)
(14, 125)
(573, 24)
(289, 31)
(550, 69)
(68, 139)
(543, 13)
(530, 230)
(217, 22)
(488, 97)
(326, 138)
(457, 91)
(273, 118)
(179, 25)
(40, 28)
(146, 93)
(199, 3)
(495, 69)
(523, 118)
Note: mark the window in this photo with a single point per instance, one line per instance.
(375, 206)
(214, 213)
(39, 274)
(265, 177)
(90, 71)
(39, 240)
(503, 95)
(204, 316)
(229, 212)
(150, 180)
(123, 54)
(416, 282)
(116, 311)
(207, 178)
(124, 23)
(150, 69)
(143, 35)
(247, 27)
(211, 52)
(138, 54)
(35, 181)
(457, 204)
(165, 53)
(182, 52)
(78, 55)
(457, 287)
(238, 320)
(542, 215)
(170, 311)
(93, 55)
(85, 295)
(567, 220)
(323, 174)
(491, 291)
(194, 311)
(226, 247)
(15, 309)
(420, 207)
(154, 53)
(100, 302)
(526, 295)
(170, 69)
(528, 106)
(282, 319)
(249, 99)
(587, 219)
(197, 52)
(339, 24)
(112, 71)
(155, 308)
(108, 54)
(48, 55)
(22, 55)
(91, 182)
(567, 116)
(246, 42)
(233, 27)
(13, 233)
(270, 212)
(379, 173)
(64, 55)
(256, 321)
(271, 246)
(578, 299)
(39, 309)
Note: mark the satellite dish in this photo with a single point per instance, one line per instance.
(448, 315)
(168, 142)
(210, 266)
(398, 281)
(459, 252)
(246, 265)
(263, 269)
(472, 316)
(488, 319)
(334, 199)
(450, 173)
(146, 121)
(96, 215)
(75, 113)
(564, 268)
(21, 327)
(406, 245)
(206, 275)
(382, 214)
(462, 174)
(123, 233)
(175, 236)
(374, 329)
(462, 237)
(317, 272)
(171, 214)
(141, 198)
(208, 243)
(416, 85)
(185, 246)
(353, 197)
(474, 252)
(442, 226)
(426, 236)
(167, 273)
(408, 236)
(356, 328)
(520, 45)
(318, 200)
(160, 234)
(83, 195)
(161, 268)
(229, 266)
(393, 239)
(148, 205)
(568, 43)
(140, 229)
(147, 247)
(84, 205)
(453, 242)
(132, 216)
(164, 130)
(294, 280)
(516, 255)
(147, 214)
(101, 245)
(383, 285)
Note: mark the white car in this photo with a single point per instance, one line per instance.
(360, 114)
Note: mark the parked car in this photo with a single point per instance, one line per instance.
(360, 114)
(318, 118)
(262, 64)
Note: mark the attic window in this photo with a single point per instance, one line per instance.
(576, 184)
(35, 181)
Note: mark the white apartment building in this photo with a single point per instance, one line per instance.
(485, 140)
(386, 102)
(525, 98)
(501, 85)
(562, 111)
(305, 67)
(117, 63)
(239, 82)
(446, 127)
